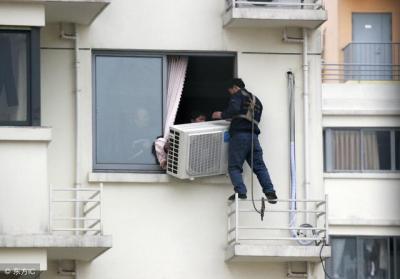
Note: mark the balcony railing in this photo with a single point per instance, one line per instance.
(62, 207)
(275, 4)
(365, 61)
(283, 219)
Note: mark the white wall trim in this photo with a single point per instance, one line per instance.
(11, 133)
(357, 112)
(370, 175)
(365, 222)
(113, 177)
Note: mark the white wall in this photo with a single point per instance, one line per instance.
(24, 206)
(176, 230)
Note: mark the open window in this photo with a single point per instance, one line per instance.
(130, 102)
(205, 88)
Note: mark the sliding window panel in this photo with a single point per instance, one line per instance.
(343, 263)
(346, 150)
(128, 111)
(14, 77)
(376, 150)
(373, 258)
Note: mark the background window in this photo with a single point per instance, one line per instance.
(128, 111)
(19, 77)
(363, 258)
(357, 150)
(397, 149)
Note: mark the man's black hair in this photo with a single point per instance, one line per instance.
(194, 114)
(237, 82)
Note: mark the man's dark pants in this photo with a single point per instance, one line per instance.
(240, 151)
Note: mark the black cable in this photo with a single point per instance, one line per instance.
(252, 162)
(322, 260)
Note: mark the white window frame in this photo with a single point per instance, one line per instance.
(328, 149)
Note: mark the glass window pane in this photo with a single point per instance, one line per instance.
(129, 98)
(376, 153)
(397, 149)
(343, 263)
(13, 77)
(346, 150)
(373, 258)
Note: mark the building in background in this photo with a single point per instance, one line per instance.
(360, 117)
(84, 92)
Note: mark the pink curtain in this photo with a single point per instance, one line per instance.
(177, 66)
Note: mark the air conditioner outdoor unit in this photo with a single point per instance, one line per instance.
(198, 149)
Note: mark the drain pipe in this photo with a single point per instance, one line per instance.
(77, 183)
(306, 119)
(304, 42)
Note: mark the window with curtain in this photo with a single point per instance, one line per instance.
(361, 149)
(128, 110)
(19, 77)
(364, 257)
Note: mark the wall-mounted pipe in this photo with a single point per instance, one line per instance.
(306, 119)
(77, 182)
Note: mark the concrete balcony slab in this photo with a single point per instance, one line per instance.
(275, 253)
(61, 247)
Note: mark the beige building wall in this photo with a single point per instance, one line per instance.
(338, 29)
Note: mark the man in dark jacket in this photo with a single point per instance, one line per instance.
(245, 111)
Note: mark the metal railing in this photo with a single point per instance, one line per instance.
(365, 61)
(62, 208)
(275, 4)
(244, 224)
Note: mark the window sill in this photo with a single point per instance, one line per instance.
(365, 222)
(377, 175)
(112, 177)
(16, 133)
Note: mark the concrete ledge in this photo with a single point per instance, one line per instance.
(65, 247)
(355, 175)
(273, 17)
(278, 253)
(113, 177)
(365, 222)
(13, 133)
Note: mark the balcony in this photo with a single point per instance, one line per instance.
(74, 11)
(70, 237)
(274, 13)
(365, 62)
(285, 239)
(36, 12)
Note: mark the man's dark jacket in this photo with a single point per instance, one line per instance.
(238, 105)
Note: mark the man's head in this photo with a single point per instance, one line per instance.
(197, 116)
(235, 85)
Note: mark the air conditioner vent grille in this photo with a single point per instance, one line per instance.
(205, 154)
(173, 152)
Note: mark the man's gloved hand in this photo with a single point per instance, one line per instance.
(217, 115)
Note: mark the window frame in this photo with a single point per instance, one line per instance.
(33, 110)
(328, 149)
(124, 168)
(390, 240)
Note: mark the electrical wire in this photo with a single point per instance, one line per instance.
(261, 212)
(323, 244)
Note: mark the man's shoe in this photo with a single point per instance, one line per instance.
(241, 196)
(271, 197)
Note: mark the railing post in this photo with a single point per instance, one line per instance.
(50, 209)
(236, 218)
(100, 209)
(326, 220)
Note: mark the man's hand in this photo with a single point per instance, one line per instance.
(217, 115)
